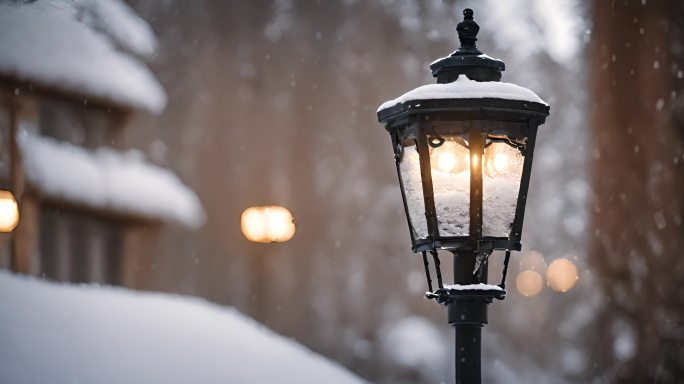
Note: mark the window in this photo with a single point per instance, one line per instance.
(80, 247)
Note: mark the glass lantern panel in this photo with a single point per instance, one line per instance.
(450, 165)
(503, 166)
(409, 169)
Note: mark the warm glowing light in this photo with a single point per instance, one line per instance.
(450, 157)
(529, 283)
(446, 161)
(267, 224)
(9, 211)
(500, 163)
(502, 159)
(475, 160)
(562, 275)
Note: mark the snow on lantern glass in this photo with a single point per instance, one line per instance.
(462, 180)
(463, 149)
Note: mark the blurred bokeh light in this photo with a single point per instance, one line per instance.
(267, 224)
(529, 283)
(562, 275)
(9, 211)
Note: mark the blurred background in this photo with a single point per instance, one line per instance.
(274, 103)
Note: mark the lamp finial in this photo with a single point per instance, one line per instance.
(467, 31)
(467, 60)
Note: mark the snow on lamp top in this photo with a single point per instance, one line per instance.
(466, 74)
(464, 88)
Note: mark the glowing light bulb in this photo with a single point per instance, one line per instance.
(279, 223)
(562, 275)
(267, 224)
(500, 163)
(9, 211)
(529, 283)
(450, 157)
(446, 161)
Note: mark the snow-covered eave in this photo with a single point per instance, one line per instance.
(129, 217)
(47, 45)
(27, 86)
(107, 181)
(81, 94)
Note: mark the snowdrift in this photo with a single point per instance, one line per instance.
(59, 333)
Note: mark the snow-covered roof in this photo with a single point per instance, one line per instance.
(107, 179)
(464, 88)
(84, 47)
(59, 333)
(121, 24)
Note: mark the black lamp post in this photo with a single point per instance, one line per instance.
(463, 150)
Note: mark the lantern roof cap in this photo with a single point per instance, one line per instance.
(464, 88)
(467, 60)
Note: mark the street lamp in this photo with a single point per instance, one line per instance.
(463, 149)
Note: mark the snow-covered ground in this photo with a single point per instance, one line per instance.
(58, 333)
(415, 342)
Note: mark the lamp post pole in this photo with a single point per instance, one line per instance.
(467, 314)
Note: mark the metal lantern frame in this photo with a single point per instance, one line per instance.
(475, 123)
(425, 122)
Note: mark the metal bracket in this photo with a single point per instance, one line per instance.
(445, 296)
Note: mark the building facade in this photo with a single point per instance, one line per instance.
(90, 207)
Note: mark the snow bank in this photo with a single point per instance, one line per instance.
(415, 342)
(107, 179)
(72, 46)
(464, 88)
(56, 333)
